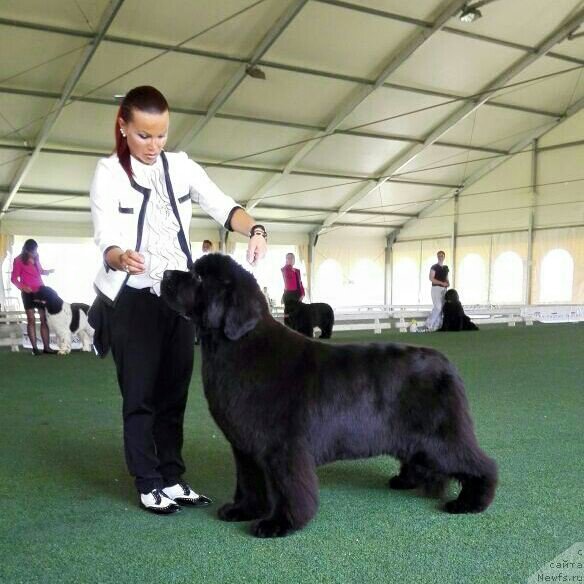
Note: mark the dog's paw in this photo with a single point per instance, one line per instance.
(435, 488)
(63, 352)
(457, 507)
(271, 528)
(399, 483)
(234, 512)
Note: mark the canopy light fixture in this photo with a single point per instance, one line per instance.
(119, 96)
(469, 14)
(575, 35)
(255, 72)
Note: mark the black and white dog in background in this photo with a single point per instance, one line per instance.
(303, 318)
(66, 320)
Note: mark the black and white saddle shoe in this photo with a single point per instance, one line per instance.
(183, 494)
(157, 502)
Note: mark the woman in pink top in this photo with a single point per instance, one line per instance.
(293, 288)
(26, 276)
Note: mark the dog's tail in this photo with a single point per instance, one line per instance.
(76, 309)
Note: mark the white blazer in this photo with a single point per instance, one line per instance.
(118, 207)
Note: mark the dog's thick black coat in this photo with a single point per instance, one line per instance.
(287, 404)
(453, 316)
(304, 317)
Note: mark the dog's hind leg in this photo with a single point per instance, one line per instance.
(292, 490)
(419, 471)
(477, 474)
(406, 479)
(85, 339)
(250, 499)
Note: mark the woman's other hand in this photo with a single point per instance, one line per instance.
(129, 261)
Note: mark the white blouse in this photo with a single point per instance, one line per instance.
(139, 215)
(159, 246)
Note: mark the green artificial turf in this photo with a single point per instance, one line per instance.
(69, 512)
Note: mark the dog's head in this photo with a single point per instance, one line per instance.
(451, 296)
(49, 299)
(217, 293)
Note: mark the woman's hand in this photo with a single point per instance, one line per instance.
(257, 246)
(256, 249)
(129, 261)
(26, 289)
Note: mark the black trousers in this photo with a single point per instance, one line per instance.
(153, 349)
(289, 296)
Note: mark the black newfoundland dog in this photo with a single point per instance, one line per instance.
(453, 317)
(288, 404)
(304, 317)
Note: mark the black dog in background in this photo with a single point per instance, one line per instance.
(453, 317)
(304, 317)
(288, 404)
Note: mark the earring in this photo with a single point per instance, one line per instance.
(122, 132)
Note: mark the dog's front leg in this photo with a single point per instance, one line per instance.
(85, 341)
(250, 500)
(65, 344)
(292, 491)
(62, 345)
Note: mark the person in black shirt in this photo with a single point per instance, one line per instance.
(440, 283)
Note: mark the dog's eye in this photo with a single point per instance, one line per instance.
(198, 278)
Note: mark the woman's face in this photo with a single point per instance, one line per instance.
(33, 253)
(146, 135)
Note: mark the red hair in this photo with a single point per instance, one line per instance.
(145, 99)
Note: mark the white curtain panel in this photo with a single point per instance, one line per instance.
(508, 268)
(351, 274)
(405, 273)
(558, 266)
(473, 256)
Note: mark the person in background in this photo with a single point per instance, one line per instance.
(268, 299)
(27, 275)
(440, 283)
(293, 288)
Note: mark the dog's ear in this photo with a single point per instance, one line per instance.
(241, 316)
(232, 297)
(232, 311)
